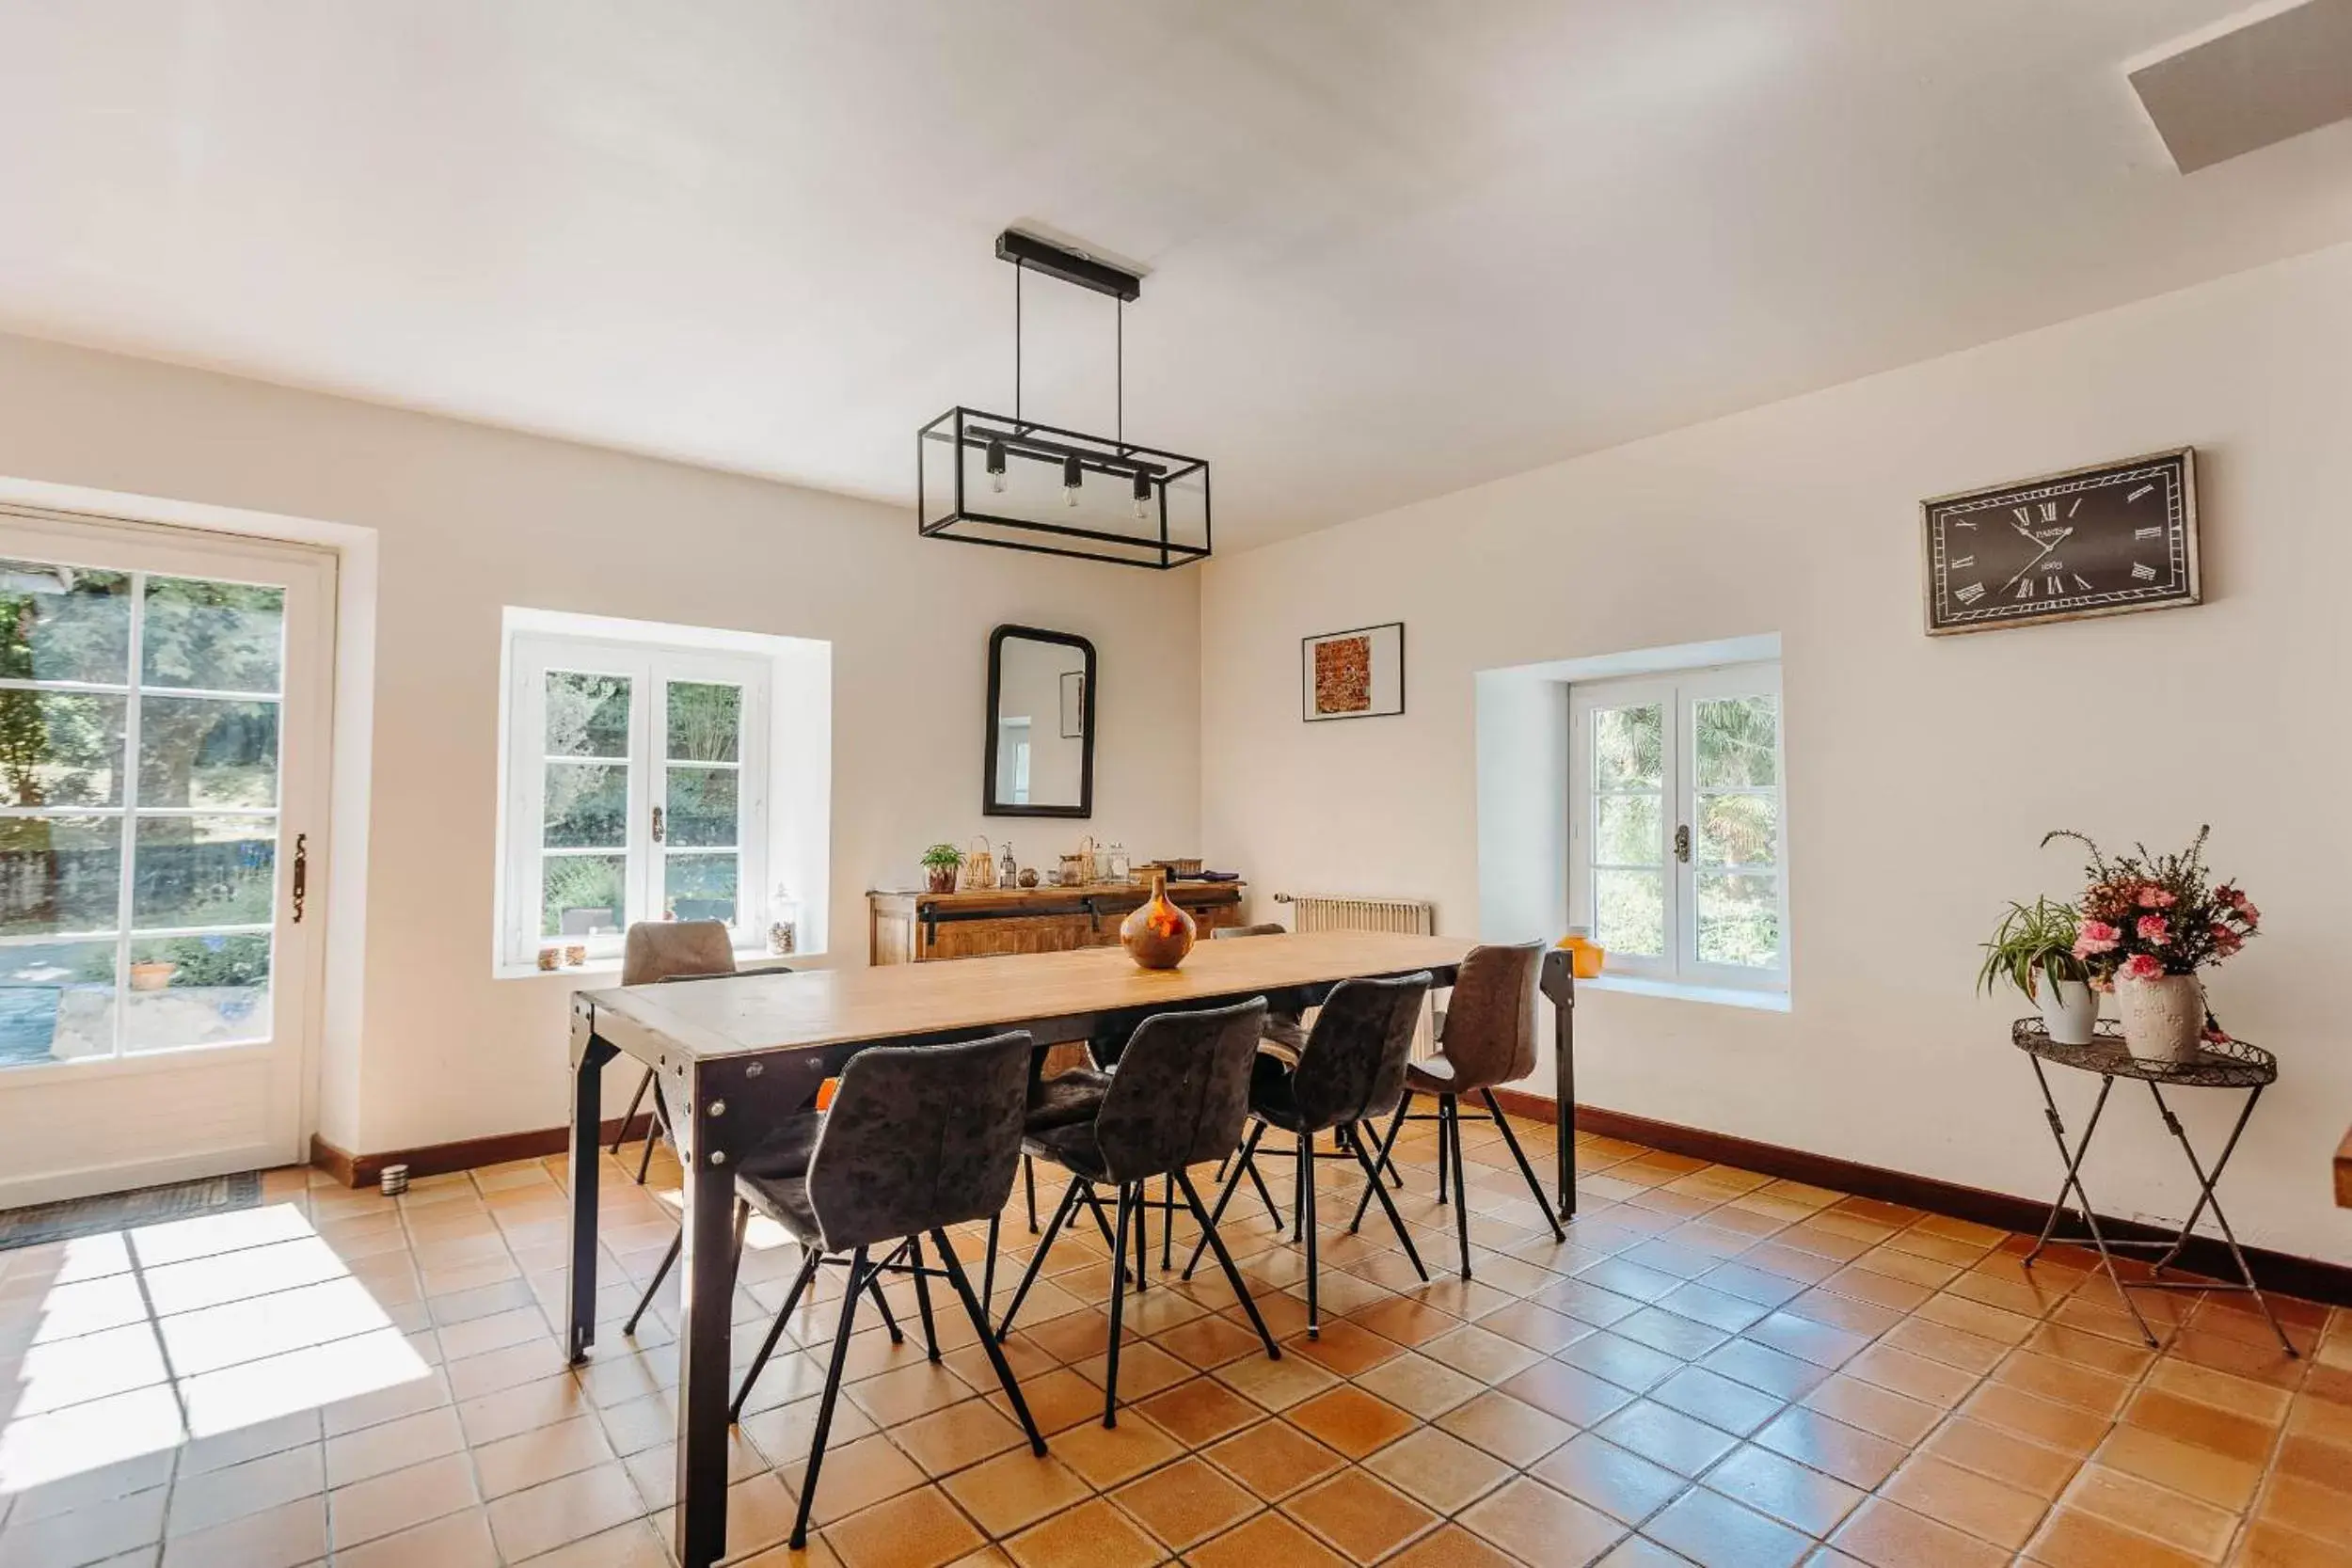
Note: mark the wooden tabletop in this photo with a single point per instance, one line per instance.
(715, 1018)
(2343, 1172)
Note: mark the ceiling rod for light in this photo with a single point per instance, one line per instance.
(1071, 267)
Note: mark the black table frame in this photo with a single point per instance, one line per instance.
(723, 1101)
(2233, 1065)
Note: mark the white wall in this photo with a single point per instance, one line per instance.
(1921, 772)
(469, 520)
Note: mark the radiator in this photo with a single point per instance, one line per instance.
(1323, 911)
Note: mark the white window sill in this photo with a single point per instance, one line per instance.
(608, 970)
(1722, 996)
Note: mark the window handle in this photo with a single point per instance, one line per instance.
(1683, 843)
(657, 823)
(301, 874)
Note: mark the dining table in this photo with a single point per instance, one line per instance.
(737, 1056)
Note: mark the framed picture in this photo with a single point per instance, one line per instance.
(1073, 706)
(1353, 674)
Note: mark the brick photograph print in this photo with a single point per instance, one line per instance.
(1356, 673)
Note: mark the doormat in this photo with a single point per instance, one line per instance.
(91, 1216)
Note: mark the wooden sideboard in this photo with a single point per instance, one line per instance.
(917, 927)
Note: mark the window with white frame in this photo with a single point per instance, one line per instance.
(636, 789)
(1679, 852)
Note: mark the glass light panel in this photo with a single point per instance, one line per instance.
(57, 1002)
(587, 715)
(1739, 740)
(1739, 919)
(60, 748)
(702, 808)
(706, 722)
(63, 624)
(1629, 912)
(582, 895)
(586, 806)
(1739, 830)
(213, 636)
(197, 990)
(699, 887)
(203, 871)
(207, 752)
(60, 873)
(1627, 831)
(1629, 748)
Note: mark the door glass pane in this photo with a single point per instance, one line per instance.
(1739, 919)
(1629, 748)
(205, 752)
(582, 895)
(587, 715)
(1738, 739)
(699, 887)
(213, 636)
(64, 624)
(57, 1002)
(203, 871)
(197, 990)
(706, 722)
(1739, 830)
(702, 808)
(1629, 912)
(1628, 830)
(59, 873)
(60, 748)
(587, 805)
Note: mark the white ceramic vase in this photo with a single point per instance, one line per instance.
(2070, 1008)
(2164, 1019)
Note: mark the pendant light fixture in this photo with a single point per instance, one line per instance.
(1014, 483)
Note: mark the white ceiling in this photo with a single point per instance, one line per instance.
(1395, 247)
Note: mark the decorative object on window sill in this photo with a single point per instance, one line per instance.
(1585, 956)
(784, 924)
(980, 867)
(1359, 673)
(1156, 933)
(2149, 924)
(940, 864)
(576, 955)
(2099, 541)
(1013, 483)
(550, 958)
(2033, 949)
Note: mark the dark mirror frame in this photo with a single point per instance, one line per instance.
(989, 805)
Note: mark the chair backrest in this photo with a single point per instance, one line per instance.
(666, 949)
(1490, 1031)
(918, 1137)
(1264, 928)
(1181, 1091)
(1354, 1063)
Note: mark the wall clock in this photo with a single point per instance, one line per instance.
(2100, 541)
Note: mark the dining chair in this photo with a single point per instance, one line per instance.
(917, 1138)
(1485, 1037)
(655, 951)
(1179, 1099)
(1352, 1068)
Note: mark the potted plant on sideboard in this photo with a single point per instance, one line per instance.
(2033, 949)
(2150, 923)
(939, 863)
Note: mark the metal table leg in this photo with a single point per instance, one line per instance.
(2206, 1199)
(2074, 1159)
(1559, 984)
(589, 1055)
(706, 1277)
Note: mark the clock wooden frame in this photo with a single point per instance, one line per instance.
(2186, 588)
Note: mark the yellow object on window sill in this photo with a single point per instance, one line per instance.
(1585, 955)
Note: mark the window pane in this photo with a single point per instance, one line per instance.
(1629, 748)
(702, 807)
(1629, 912)
(1738, 920)
(705, 721)
(1739, 830)
(1737, 737)
(587, 805)
(203, 752)
(57, 1002)
(60, 873)
(1627, 831)
(203, 871)
(587, 715)
(58, 749)
(197, 990)
(63, 624)
(699, 887)
(217, 636)
(582, 896)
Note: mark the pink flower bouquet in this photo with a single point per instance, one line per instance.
(2146, 917)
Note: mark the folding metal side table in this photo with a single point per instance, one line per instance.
(2227, 1065)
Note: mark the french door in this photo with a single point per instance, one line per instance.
(164, 702)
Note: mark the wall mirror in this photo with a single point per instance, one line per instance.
(1040, 725)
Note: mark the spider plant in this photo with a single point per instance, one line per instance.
(2033, 941)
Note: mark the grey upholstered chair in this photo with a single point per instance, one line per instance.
(1486, 1037)
(1179, 1099)
(1352, 1068)
(655, 951)
(919, 1138)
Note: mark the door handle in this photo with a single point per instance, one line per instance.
(657, 823)
(1683, 843)
(301, 874)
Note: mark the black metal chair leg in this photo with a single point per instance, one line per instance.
(1225, 1261)
(1028, 1181)
(953, 1268)
(1453, 1108)
(988, 1271)
(1444, 1151)
(923, 1296)
(1225, 1196)
(668, 1259)
(1257, 1179)
(1372, 1189)
(881, 1303)
(1037, 1258)
(775, 1332)
(1525, 1169)
(630, 1114)
(1167, 1221)
(1102, 1221)
(1307, 1219)
(1118, 1299)
(1304, 1161)
(858, 1274)
(653, 1135)
(1396, 1125)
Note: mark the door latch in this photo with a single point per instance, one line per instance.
(657, 823)
(1683, 843)
(301, 874)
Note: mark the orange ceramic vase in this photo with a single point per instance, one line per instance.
(1157, 934)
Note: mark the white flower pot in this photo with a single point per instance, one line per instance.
(2164, 1019)
(2069, 1009)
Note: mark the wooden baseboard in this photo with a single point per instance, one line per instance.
(366, 1170)
(2309, 1278)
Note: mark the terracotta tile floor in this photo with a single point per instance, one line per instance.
(1715, 1368)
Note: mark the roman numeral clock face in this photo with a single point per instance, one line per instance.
(2095, 541)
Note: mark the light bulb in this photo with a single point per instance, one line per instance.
(997, 466)
(996, 481)
(1072, 477)
(1143, 496)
